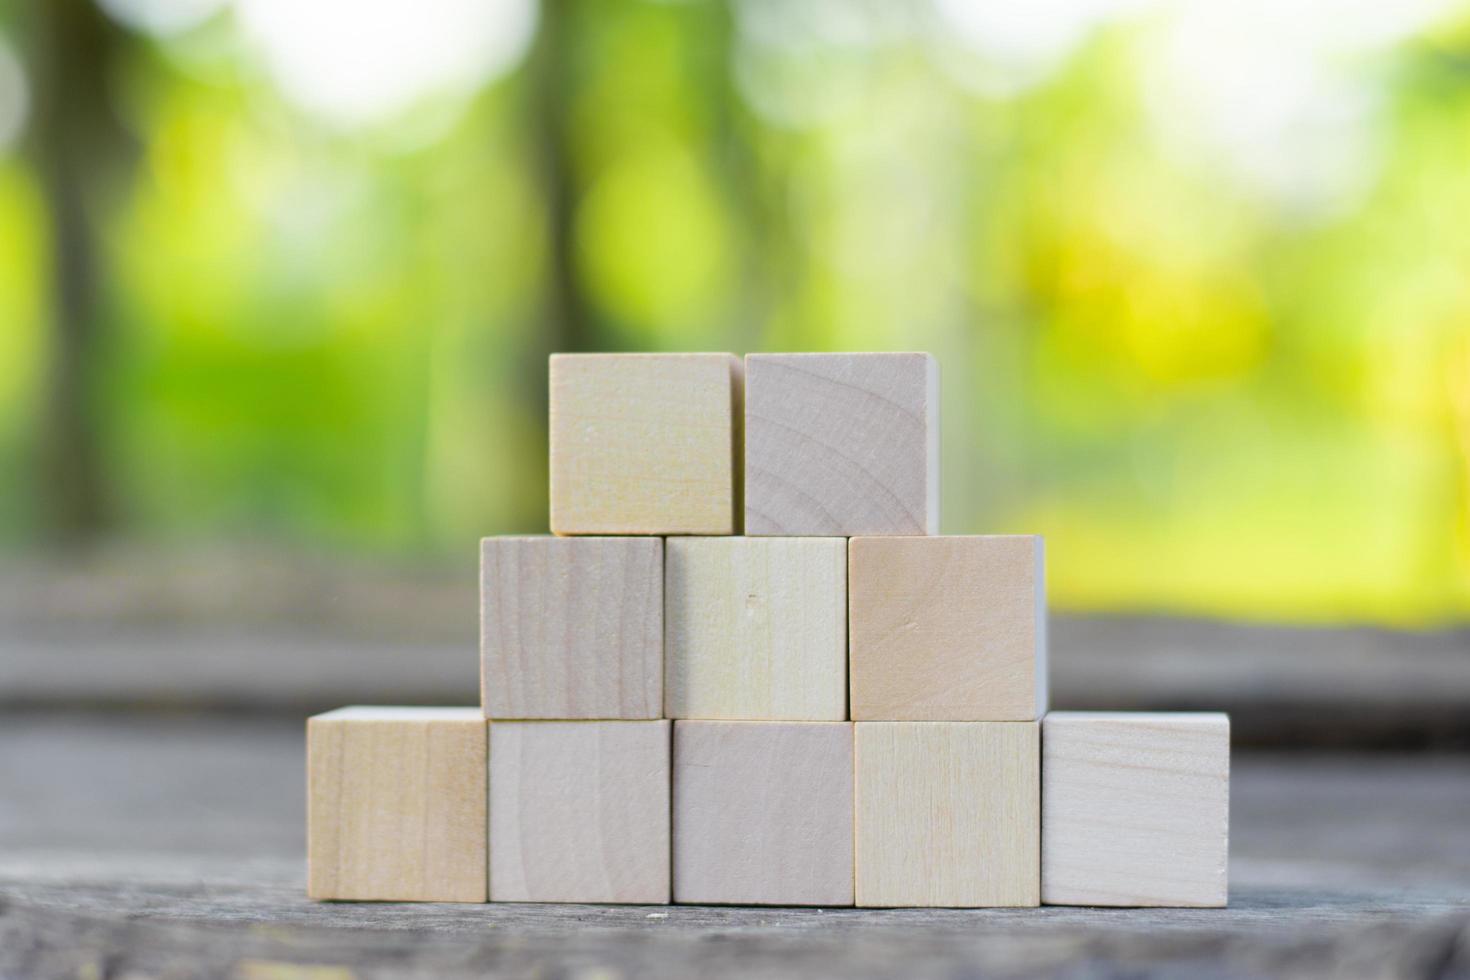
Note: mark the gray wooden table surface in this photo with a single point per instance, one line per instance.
(142, 846)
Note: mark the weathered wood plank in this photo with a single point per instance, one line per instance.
(1268, 934)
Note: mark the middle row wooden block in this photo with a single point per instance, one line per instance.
(770, 629)
(756, 628)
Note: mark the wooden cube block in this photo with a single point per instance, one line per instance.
(948, 813)
(755, 628)
(396, 804)
(1136, 809)
(579, 811)
(763, 813)
(947, 628)
(571, 627)
(645, 443)
(841, 444)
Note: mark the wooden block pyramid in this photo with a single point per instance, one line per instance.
(841, 707)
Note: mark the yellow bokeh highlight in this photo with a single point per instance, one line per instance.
(24, 244)
(653, 246)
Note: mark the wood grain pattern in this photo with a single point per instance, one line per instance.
(763, 813)
(1136, 808)
(579, 811)
(755, 628)
(645, 443)
(841, 444)
(396, 805)
(947, 628)
(571, 627)
(948, 813)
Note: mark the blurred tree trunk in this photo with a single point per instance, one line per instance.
(569, 322)
(74, 140)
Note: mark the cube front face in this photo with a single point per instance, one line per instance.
(579, 811)
(571, 627)
(756, 628)
(1136, 809)
(645, 443)
(947, 628)
(947, 814)
(396, 805)
(763, 813)
(841, 444)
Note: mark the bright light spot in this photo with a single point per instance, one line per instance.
(802, 24)
(15, 97)
(797, 91)
(805, 63)
(1281, 87)
(162, 18)
(653, 243)
(1021, 43)
(362, 61)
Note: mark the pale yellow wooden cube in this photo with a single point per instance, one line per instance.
(948, 814)
(645, 443)
(755, 628)
(396, 804)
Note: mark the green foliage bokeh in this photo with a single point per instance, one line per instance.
(1209, 400)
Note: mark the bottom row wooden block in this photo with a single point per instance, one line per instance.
(948, 813)
(395, 805)
(780, 813)
(763, 813)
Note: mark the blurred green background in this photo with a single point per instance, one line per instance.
(1198, 274)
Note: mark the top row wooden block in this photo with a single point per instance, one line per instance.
(833, 444)
(645, 443)
(841, 444)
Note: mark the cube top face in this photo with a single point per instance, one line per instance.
(399, 713)
(579, 811)
(948, 814)
(571, 627)
(947, 628)
(645, 443)
(841, 444)
(1136, 809)
(756, 628)
(396, 805)
(763, 813)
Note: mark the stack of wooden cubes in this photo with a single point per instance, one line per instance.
(838, 707)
